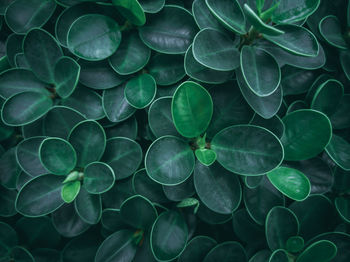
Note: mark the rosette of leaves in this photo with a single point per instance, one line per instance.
(174, 130)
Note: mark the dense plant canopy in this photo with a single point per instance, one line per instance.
(175, 130)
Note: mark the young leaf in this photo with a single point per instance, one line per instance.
(70, 191)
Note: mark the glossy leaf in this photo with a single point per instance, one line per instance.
(169, 236)
(138, 212)
(338, 151)
(342, 205)
(215, 50)
(70, 191)
(92, 151)
(98, 177)
(229, 13)
(196, 249)
(296, 39)
(24, 108)
(131, 10)
(217, 188)
(291, 182)
(41, 52)
(170, 19)
(57, 156)
(9, 169)
(191, 109)
(260, 71)
(307, 133)
(227, 251)
(322, 251)
(169, 167)
(331, 30)
(281, 224)
(247, 150)
(88, 206)
(66, 75)
(205, 156)
(289, 11)
(89, 33)
(131, 56)
(140, 91)
(118, 246)
(152, 6)
(29, 200)
(203, 17)
(23, 15)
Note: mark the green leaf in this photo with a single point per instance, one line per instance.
(7, 198)
(140, 91)
(229, 13)
(123, 155)
(205, 156)
(260, 200)
(27, 155)
(338, 150)
(344, 61)
(127, 128)
(60, 120)
(227, 251)
(85, 101)
(327, 97)
(217, 188)
(21, 254)
(196, 249)
(342, 205)
(331, 30)
(30, 202)
(24, 108)
(132, 55)
(166, 69)
(92, 71)
(68, 223)
(247, 150)
(295, 244)
(307, 133)
(181, 191)
(267, 106)
(296, 81)
(203, 17)
(210, 217)
(66, 75)
(192, 109)
(259, 5)
(57, 155)
(261, 256)
(138, 212)
(296, 39)
(144, 186)
(98, 178)
(290, 11)
(94, 37)
(115, 106)
(215, 50)
(322, 251)
(152, 6)
(89, 141)
(41, 52)
(131, 10)
(279, 255)
(281, 224)
(159, 160)
(169, 236)
(260, 71)
(14, 44)
(160, 119)
(258, 24)
(155, 33)
(9, 169)
(18, 80)
(8, 236)
(290, 182)
(88, 206)
(117, 247)
(227, 98)
(201, 73)
(70, 191)
(23, 15)
(274, 124)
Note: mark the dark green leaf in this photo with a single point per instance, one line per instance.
(140, 91)
(169, 167)
(88, 206)
(247, 150)
(66, 75)
(57, 156)
(203, 17)
(307, 133)
(155, 33)
(227, 251)
(338, 150)
(331, 30)
(196, 249)
(321, 251)
(30, 202)
(9, 169)
(131, 10)
(7, 198)
(98, 178)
